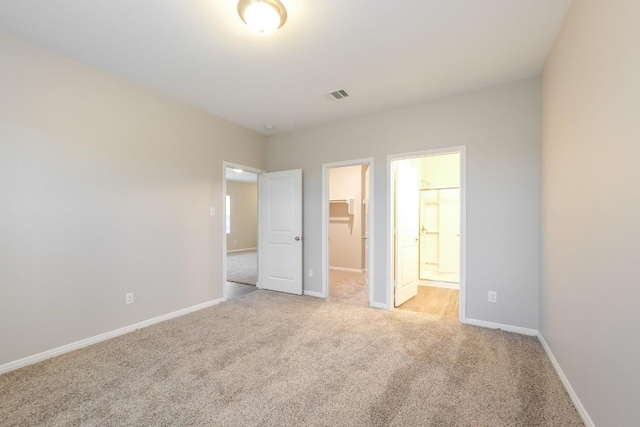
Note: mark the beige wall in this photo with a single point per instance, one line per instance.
(500, 127)
(345, 231)
(105, 189)
(244, 215)
(590, 175)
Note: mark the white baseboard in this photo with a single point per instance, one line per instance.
(348, 270)
(30, 360)
(242, 250)
(567, 385)
(313, 294)
(374, 304)
(436, 284)
(507, 328)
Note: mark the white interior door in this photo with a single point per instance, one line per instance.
(365, 233)
(280, 254)
(407, 214)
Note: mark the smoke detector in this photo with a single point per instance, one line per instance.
(336, 94)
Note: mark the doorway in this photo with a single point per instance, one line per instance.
(427, 239)
(240, 215)
(347, 233)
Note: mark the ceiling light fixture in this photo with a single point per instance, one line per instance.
(262, 16)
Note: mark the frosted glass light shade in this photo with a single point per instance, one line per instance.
(263, 17)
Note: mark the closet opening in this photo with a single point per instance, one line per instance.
(427, 223)
(348, 238)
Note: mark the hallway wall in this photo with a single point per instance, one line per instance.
(244, 215)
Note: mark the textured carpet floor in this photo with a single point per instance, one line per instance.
(242, 267)
(269, 359)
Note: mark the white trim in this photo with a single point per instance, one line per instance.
(242, 250)
(437, 284)
(463, 221)
(30, 360)
(567, 385)
(225, 165)
(313, 294)
(379, 305)
(463, 235)
(325, 221)
(507, 328)
(390, 236)
(347, 270)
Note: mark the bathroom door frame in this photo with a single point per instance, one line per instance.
(391, 267)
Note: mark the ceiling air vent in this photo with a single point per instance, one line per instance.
(336, 94)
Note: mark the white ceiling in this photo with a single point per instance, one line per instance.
(384, 53)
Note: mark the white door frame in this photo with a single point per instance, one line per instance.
(325, 221)
(463, 222)
(223, 212)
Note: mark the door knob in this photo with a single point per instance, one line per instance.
(297, 238)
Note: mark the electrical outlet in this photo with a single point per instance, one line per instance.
(212, 211)
(310, 273)
(493, 296)
(128, 298)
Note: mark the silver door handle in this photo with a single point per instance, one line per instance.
(297, 238)
(364, 238)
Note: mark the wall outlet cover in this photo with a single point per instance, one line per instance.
(493, 296)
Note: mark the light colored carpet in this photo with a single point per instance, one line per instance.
(242, 267)
(348, 288)
(270, 359)
(235, 290)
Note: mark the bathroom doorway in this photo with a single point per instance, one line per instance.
(427, 200)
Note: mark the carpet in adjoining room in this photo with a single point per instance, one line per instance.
(242, 267)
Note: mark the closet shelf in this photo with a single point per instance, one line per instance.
(348, 202)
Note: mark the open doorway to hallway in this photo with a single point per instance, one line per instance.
(348, 242)
(427, 223)
(241, 228)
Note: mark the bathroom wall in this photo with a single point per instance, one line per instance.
(440, 217)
